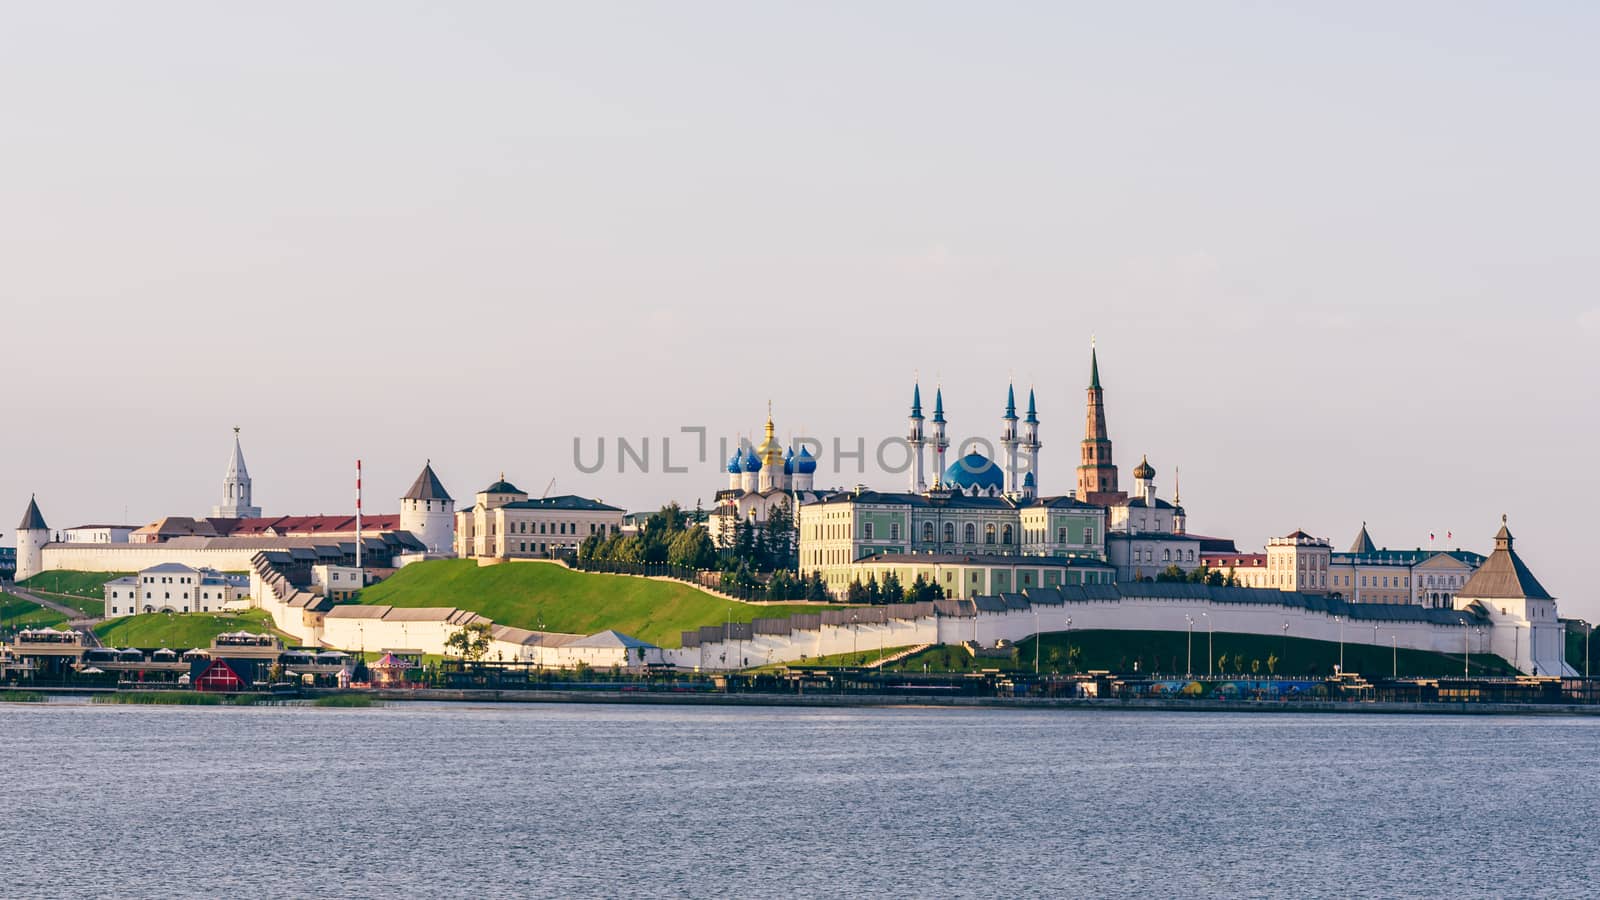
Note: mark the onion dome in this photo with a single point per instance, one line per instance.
(752, 462)
(804, 462)
(1145, 471)
(974, 471)
(735, 462)
(788, 461)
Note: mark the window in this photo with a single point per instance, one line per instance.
(1166, 556)
(950, 532)
(988, 533)
(927, 532)
(866, 531)
(1005, 536)
(970, 533)
(894, 531)
(1061, 535)
(1088, 535)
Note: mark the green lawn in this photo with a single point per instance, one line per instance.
(523, 594)
(87, 585)
(18, 613)
(865, 657)
(179, 631)
(1165, 652)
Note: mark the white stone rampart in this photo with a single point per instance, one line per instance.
(137, 557)
(1127, 614)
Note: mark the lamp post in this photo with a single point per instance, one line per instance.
(1466, 644)
(1035, 640)
(1188, 660)
(1285, 654)
(1211, 645)
(855, 637)
(1340, 620)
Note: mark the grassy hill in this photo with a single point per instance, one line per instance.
(83, 591)
(523, 594)
(1165, 652)
(183, 631)
(18, 613)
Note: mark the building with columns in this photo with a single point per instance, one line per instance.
(504, 523)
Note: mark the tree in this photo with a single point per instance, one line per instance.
(816, 588)
(692, 549)
(874, 593)
(1171, 573)
(893, 592)
(471, 641)
(856, 593)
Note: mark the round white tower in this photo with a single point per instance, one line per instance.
(32, 535)
(428, 512)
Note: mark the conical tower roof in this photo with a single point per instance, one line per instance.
(1094, 368)
(427, 486)
(1364, 544)
(236, 467)
(1503, 576)
(33, 520)
(916, 401)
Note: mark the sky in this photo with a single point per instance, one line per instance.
(1339, 259)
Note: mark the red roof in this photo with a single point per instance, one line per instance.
(304, 525)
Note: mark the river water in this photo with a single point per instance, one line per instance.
(417, 800)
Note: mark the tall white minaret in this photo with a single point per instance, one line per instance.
(917, 440)
(1008, 440)
(236, 488)
(940, 442)
(1031, 445)
(32, 535)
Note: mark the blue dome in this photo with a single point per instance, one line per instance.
(752, 462)
(734, 466)
(788, 461)
(1027, 480)
(805, 463)
(974, 471)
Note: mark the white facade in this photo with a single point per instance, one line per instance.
(97, 534)
(175, 588)
(429, 513)
(504, 523)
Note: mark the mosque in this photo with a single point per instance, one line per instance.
(984, 525)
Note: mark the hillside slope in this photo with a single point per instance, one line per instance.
(526, 594)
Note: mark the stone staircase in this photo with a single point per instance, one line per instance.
(896, 657)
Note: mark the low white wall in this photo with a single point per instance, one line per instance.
(134, 557)
(1127, 614)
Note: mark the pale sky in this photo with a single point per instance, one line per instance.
(1340, 258)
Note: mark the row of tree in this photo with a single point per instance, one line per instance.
(892, 591)
(675, 537)
(1202, 575)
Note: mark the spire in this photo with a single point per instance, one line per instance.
(1011, 401)
(1094, 367)
(32, 519)
(1503, 576)
(1502, 538)
(236, 467)
(1177, 486)
(1033, 412)
(938, 404)
(916, 401)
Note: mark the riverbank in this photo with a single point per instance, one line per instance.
(882, 701)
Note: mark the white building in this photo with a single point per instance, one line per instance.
(97, 534)
(504, 523)
(32, 535)
(1525, 627)
(176, 588)
(236, 494)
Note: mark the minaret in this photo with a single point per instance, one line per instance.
(1031, 445)
(940, 442)
(1008, 441)
(236, 488)
(428, 512)
(1180, 521)
(1096, 473)
(32, 535)
(916, 439)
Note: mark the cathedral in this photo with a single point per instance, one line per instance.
(760, 479)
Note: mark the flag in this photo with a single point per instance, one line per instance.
(1449, 534)
(1430, 535)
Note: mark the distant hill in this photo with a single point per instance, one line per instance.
(524, 594)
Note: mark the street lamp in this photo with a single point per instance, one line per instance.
(1188, 660)
(1285, 655)
(1340, 620)
(1466, 643)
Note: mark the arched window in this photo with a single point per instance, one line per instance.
(1191, 555)
(950, 532)
(1166, 556)
(927, 532)
(971, 533)
(988, 533)
(1005, 535)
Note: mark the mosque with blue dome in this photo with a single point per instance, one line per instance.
(981, 525)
